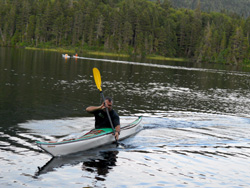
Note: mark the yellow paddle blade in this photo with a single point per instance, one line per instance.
(97, 77)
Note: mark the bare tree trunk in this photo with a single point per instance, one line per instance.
(1, 33)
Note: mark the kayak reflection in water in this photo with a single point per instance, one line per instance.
(101, 166)
(101, 116)
(92, 162)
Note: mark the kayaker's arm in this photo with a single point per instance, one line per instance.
(117, 132)
(92, 109)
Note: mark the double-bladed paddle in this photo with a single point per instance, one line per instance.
(98, 82)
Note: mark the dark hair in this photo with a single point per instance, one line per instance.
(109, 99)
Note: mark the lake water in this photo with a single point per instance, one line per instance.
(195, 130)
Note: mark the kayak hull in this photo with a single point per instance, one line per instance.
(65, 56)
(89, 141)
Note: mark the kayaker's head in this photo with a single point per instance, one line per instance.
(109, 103)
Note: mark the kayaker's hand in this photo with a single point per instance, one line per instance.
(117, 135)
(102, 106)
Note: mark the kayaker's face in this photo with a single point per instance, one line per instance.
(108, 105)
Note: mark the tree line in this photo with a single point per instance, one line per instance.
(240, 7)
(136, 27)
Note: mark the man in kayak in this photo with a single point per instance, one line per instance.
(101, 117)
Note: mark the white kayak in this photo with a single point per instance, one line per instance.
(92, 139)
(65, 56)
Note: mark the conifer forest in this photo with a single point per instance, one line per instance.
(240, 7)
(134, 27)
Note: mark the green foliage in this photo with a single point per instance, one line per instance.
(241, 7)
(135, 27)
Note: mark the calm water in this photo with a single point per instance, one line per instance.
(195, 128)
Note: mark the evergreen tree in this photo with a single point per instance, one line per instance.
(237, 47)
(127, 35)
(138, 27)
(31, 29)
(247, 29)
(204, 52)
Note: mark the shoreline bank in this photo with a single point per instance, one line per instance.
(100, 53)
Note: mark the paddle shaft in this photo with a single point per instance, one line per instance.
(98, 82)
(107, 110)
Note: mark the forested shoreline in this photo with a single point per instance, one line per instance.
(240, 7)
(135, 27)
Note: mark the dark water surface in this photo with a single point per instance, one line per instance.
(195, 130)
